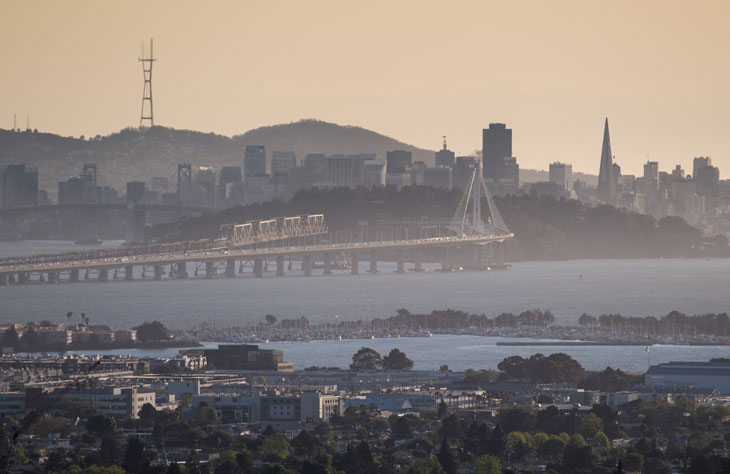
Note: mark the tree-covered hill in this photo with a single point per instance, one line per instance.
(138, 154)
(544, 228)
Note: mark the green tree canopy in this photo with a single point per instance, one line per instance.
(397, 360)
(366, 359)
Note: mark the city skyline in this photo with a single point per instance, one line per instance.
(660, 83)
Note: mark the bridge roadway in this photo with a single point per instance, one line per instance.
(211, 256)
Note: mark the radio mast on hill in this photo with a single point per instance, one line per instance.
(148, 117)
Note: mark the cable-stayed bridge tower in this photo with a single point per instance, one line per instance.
(465, 223)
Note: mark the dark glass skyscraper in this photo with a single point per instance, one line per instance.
(496, 147)
(254, 161)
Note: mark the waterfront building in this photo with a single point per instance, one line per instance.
(708, 375)
(246, 357)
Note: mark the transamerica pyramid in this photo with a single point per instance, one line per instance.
(606, 180)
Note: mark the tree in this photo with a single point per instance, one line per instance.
(154, 331)
(426, 466)
(600, 442)
(590, 425)
(147, 412)
(401, 429)
(366, 359)
(192, 464)
(487, 464)
(397, 360)
(11, 337)
(135, 458)
(444, 368)
(69, 315)
(101, 425)
(446, 459)
(270, 319)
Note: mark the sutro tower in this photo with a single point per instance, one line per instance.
(147, 117)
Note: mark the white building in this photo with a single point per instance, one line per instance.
(374, 173)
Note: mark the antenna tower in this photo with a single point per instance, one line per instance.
(148, 117)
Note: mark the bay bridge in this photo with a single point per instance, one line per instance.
(285, 244)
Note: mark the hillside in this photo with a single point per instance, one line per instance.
(134, 154)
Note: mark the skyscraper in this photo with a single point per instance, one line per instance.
(561, 174)
(606, 181)
(499, 167)
(254, 161)
(496, 147)
(398, 161)
(445, 157)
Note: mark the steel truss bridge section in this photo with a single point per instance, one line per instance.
(231, 236)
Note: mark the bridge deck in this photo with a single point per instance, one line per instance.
(224, 253)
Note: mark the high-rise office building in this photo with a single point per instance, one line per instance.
(283, 161)
(462, 171)
(707, 180)
(606, 181)
(700, 162)
(561, 174)
(345, 170)
(499, 167)
(445, 157)
(374, 173)
(398, 162)
(439, 177)
(254, 161)
(651, 175)
(18, 186)
(496, 147)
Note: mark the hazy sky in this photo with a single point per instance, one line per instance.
(414, 70)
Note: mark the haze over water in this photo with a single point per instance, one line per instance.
(637, 287)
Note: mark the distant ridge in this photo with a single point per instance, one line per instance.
(133, 154)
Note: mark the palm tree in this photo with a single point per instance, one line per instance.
(86, 319)
(68, 315)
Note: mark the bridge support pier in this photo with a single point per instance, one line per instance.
(11, 278)
(401, 268)
(128, 272)
(181, 270)
(3, 279)
(74, 276)
(418, 264)
(52, 277)
(210, 270)
(41, 278)
(327, 263)
(307, 265)
(373, 261)
(22, 278)
(258, 267)
(230, 268)
(280, 266)
(158, 272)
(498, 248)
(354, 264)
(104, 274)
(445, 261)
